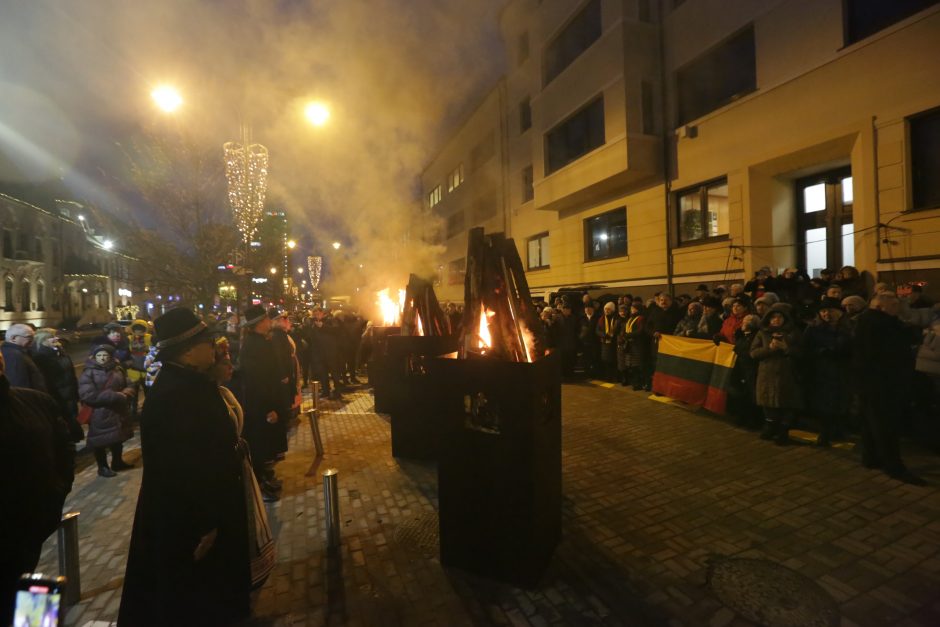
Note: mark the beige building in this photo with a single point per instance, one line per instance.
(665, 144)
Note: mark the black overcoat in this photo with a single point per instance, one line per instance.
(192, 483)
(261, 391)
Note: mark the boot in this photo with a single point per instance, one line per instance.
(102, 458)
(770, 430)
(117, 459)
(782, 438)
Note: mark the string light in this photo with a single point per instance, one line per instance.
(315, 268)
(246, 169)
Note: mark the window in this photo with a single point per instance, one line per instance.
(538, 252)
(717, 77)
(456, 270)
(576, 136)
(525, 115)
(8, 294)
(522, 51)
(646, 101)
(455, 178)
(703, 212)
(25, 304)
(483, 152)
(925, 159)
(606, 235)
(455, 224)
(528, 190)
(40, 296)
(582, 31)
(435, 196)
(37, 249)
(863, 18)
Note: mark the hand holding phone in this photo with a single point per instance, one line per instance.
(38, 599)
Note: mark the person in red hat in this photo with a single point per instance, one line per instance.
(188, 562)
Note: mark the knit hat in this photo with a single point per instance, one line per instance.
(711, 301)
(769, 298)
(855, 300)
(108, 348)
(113, 326)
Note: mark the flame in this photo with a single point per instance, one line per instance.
(486, 340)
(528, 341)
(419, 328)
(390, 310)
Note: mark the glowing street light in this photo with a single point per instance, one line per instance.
(167, 98)
(337, 245)
(291, 244)
(317, 113)
(273, 270)
(300, 270)
(107, 244)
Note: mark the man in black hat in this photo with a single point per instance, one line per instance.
(188, 562)
(286, 351)
(261, 383)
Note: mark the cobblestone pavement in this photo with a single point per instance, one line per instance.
(655, 498)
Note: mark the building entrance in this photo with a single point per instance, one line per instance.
(824, 221)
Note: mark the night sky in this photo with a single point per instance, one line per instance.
(76, 79)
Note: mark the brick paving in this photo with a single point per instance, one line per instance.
(653, 494)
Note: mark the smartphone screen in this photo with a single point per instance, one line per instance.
(37, 601)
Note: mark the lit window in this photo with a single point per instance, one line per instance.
(538, 252)
(435, 196)
(455, 178)
(703, 212)
(606, 235)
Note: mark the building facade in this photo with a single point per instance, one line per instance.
(658, 145)
(55, 268)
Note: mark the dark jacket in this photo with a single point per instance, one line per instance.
(20, 369)
(192, 483)
(37, 463)
(708, 326)
(662, 321)
(59, 372)
(261, 390)
(828, 353)
(102, 388)
(882, 352)
(778, 384)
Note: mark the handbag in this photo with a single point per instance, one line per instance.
(84, 414)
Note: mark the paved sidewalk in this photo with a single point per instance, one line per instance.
(656, 498)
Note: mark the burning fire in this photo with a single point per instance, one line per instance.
(391, 311)
(486, 340)
(419, 328)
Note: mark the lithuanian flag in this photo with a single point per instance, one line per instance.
(694, 371)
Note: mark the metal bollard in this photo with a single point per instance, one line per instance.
(316, 395)
(331, 505)
(314, 416)
(68, 558)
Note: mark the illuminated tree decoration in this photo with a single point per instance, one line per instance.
(246, 169)
(315, 268)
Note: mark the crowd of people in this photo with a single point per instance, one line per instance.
(838, 351)
(220, 394)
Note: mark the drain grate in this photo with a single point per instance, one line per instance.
(771, 594)
(420, 533)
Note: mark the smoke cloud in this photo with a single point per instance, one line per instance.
(396, 74)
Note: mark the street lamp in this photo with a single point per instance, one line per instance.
(317, 113)
(167, 98)
(291, 244)
(273, 270)
(337, 245)
(300, 270)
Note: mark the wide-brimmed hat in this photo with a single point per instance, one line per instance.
(253, 315)
(179, 327)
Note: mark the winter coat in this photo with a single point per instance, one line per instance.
(192, 484)
(633, 343)
(59, 372)
(729, 327)
(778, 384)
(828, 353)
(928, 355)
(662, 321)
(20, 369)
(607, 329)
(260, 389)
(882, 353)
(708, 326)
(744, 375)
(687, 326)
(103, 387)
(37, 462)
